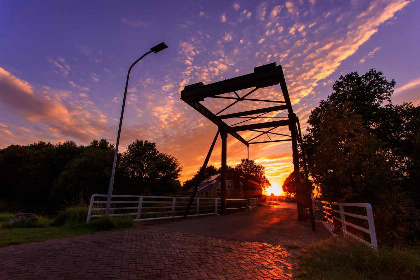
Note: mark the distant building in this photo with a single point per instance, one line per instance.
(235, 188)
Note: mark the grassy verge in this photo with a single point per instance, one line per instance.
(68, 223)
(349, 259)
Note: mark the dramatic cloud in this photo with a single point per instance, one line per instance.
(75, 119)
(411, 84)
(309, 39)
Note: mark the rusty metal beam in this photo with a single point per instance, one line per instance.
(216, 120)
(260, 125)
(251, 99)
(252, 112)
(200, 175)
(263, 76)
(271, 141)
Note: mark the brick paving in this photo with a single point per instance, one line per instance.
(145, 253)
(258, 244)
(275, 225)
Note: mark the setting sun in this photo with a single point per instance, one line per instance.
(275, 189)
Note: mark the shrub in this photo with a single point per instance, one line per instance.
(101, 224)
(71, 216)
(4, 217)
(123, 222)
(349, 259)
(110, 223)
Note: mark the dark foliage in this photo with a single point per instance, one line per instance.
(208, 171)
(250, 170)
(363, 148)
(45, 178)
(148, 171)
(247, 169)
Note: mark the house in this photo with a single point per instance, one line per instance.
(237, 187)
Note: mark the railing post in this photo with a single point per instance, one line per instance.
(198, 206)
(92, 198)
(372, 230)
(139, 207)
(173, 206)
(343, 219)
(330, 211)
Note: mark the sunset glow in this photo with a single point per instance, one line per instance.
(274, 189)
(63, 78)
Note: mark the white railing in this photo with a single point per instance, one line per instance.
(253, 202)
(236, 203)
(334, 211)
(146, 208)
(151, 207)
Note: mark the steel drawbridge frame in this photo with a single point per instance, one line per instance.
(263, 76)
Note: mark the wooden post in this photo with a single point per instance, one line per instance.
(223, 134)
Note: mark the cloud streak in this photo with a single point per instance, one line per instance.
(46, 106)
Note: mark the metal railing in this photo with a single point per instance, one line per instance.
(150, 207)
(358, 224)
(146, 208)
(236, 203)
(253, 202)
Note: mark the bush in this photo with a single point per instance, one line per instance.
(4, 217)
(110, 223)
(71, 216)
(350, 259)
(123, 222)
(100, 224)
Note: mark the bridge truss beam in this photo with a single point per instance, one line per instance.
(263, 76)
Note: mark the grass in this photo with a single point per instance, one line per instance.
(348, 259)
(14, 236)
(68, 223)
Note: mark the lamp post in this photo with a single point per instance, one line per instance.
(155, 49)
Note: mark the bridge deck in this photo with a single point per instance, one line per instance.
(199, 248)
(276, 225)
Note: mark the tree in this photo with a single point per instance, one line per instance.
(148, 171)
(363, 148)
(252, 171)
(289, 186)
(194, 181)
(348, 163)
(28, 173)
(85, 175)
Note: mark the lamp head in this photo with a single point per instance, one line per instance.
(159, 47)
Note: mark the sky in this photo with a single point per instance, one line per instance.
(63, 66)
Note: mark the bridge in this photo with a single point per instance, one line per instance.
(261, 243)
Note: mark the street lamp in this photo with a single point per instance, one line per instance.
(155, 49)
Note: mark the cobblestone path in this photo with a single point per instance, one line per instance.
(145, 253)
